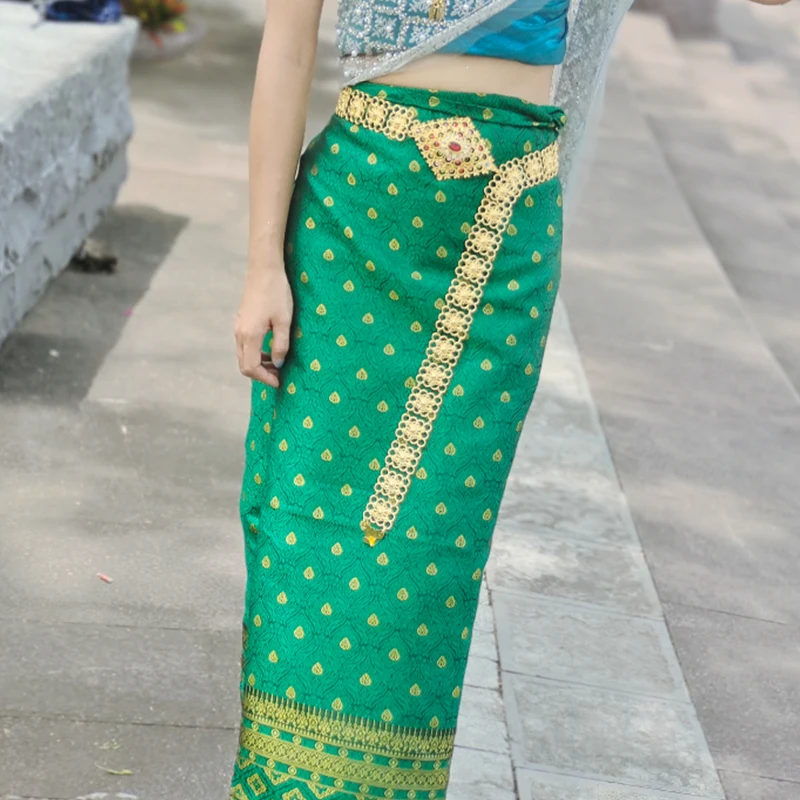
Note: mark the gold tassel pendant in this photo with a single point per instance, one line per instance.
(437, 9)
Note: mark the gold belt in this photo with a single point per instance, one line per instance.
(453, 148)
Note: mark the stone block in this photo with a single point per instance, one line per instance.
(64, 126)
(549, 639)
(611, 736)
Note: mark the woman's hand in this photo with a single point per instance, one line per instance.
(267, 305)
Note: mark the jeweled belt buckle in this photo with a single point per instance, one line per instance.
(454, 148)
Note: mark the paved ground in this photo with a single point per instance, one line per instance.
(121, 418)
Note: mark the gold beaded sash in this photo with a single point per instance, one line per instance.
(453, 148)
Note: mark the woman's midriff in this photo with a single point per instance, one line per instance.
(463, 73)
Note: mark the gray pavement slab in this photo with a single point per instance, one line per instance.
(745, 671)
(750, 787)
(542, 638)
(482, 721)
(481, 775)
(64, 759)
(107, 673)
(611, 577)
(535, 785)
(614, 736)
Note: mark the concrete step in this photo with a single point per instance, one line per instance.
(702, 426)
(739, 176)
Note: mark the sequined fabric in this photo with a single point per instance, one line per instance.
(354, 655)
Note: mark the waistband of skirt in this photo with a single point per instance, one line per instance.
(486, 108)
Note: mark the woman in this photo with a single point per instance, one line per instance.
(404, 284)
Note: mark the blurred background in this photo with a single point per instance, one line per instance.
(638, 633)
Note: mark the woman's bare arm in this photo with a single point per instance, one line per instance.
(277, 123)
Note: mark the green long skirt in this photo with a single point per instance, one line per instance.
(423, 247)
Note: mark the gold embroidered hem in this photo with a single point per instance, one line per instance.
(423, 248)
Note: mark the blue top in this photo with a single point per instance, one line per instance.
(540, 38)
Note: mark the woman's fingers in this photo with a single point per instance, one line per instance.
(250, 362)
(280, 343)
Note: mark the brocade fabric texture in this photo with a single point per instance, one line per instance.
(354, 655)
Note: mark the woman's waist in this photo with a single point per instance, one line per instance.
(476, 74)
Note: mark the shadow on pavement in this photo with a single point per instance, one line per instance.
(54, 355)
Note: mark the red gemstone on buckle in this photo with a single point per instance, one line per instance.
(455, 147)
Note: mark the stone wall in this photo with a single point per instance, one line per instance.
(64, 126)
(687, 17)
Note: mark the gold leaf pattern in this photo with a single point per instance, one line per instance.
(402, 595)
